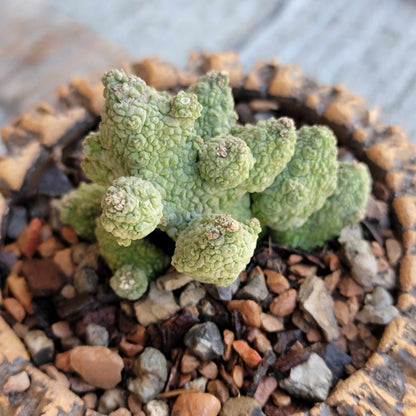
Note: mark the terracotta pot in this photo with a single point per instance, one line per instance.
(387, 383)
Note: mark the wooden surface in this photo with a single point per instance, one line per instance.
(368, 45)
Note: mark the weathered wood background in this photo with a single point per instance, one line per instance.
(368, 45)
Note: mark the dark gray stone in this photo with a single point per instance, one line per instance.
(205, 341)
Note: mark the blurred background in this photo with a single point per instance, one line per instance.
(368, 45)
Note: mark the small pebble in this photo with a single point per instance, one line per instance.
(192, 294)
(196, 404)
(43, 276)
(264, 390)
(394, 250)
(238, 375)
(276, 282)
(17, 383)
(219, 390)
(70, 342)
(284, 304)
(204, 340)
(29, 238)
(90, 400)
(157, 306)
(97, 365)
(224, 293)
(15, 308)
(68, 292)
(270, 323)
(209, 370)
(85, 280)
(199, 383)
(157, 408)
(248, 309)
(20, 290)
(96, 335)
(249, 355)
(173, 281)
(49, 247)
(241, 406)
(61, 329)
(189, 363)
(69, 235)
(63, 259)
(152, 372)
(40, 347)
(359, 255)
(255, 287)
(310, 380)
(281, 399)
(111, 400)
(378, 308)
(121, 411)
(315, 299)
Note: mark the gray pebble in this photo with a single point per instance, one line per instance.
(310, 380)
(378, 308)
(205, 341)
(192, 294)
(223, 293)
(85, 280)
(96, 335)
(359, 255)
(40, 347)
(172, 281)
(111, 400)
(152, 372)
(255, 288)
(315, 299)
(157, 306)
(199, 383)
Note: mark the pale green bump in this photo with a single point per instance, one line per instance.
(304, 185)
(272, 142)
(81, 207)
(141, 254)
(215, 248)
(225, 161)
(346, 206)
(129, 282)
(131, 209)
(215, 95)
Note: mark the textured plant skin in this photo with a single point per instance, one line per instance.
(209, 247)
(181, 164)
(129, 282)
(347, 205)
(132, 209)
(81, 207)
(305, 183)
(141, 254)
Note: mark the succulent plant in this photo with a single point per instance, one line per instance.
(181, 164)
